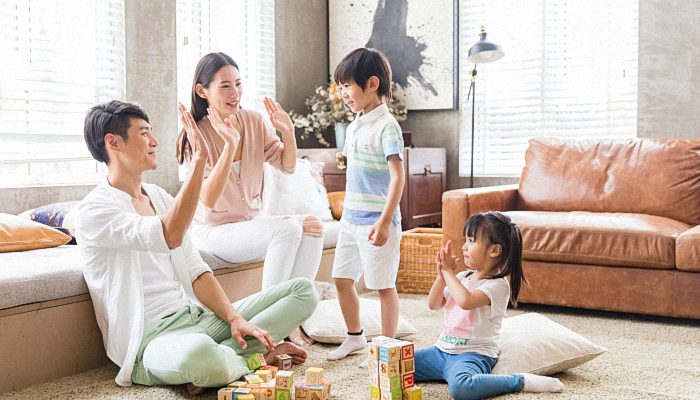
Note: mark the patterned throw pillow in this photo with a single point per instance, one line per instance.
(55, 215)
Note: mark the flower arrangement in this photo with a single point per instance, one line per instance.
(327, 108)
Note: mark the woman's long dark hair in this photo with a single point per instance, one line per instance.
(497, 228)
(207, 67)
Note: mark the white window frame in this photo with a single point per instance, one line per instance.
(528, 93)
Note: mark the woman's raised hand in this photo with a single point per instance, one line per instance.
(194, 135)
(225, 130)
(280, 119)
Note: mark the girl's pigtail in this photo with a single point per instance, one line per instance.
(514, 266)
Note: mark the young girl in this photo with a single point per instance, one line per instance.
(475, 303)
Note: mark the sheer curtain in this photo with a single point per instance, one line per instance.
(59, 58)
(570, 70)
(243, 29)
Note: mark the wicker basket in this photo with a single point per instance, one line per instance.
(417, 268)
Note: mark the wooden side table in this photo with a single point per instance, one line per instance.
(426, 180)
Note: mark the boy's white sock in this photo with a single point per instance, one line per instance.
(351, 344)
(538, 383)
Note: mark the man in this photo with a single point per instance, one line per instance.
(149, 287)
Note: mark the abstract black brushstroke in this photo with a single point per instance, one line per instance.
(403, 51)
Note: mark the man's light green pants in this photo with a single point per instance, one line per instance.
(195, 346)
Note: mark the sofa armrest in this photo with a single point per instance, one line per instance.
(688, 250)
(459, 204)
(337, 201)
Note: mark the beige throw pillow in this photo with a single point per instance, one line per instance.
(20, 234)
(326, 325)
(534, 343)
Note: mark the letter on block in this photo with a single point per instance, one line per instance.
(406, 350)
(255, 361)
(285, 380)
(283, 394)
(317, 393)
(314, 376)
(390, 368)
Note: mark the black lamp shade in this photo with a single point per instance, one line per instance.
(485, 51)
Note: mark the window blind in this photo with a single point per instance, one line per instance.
(243, 29)
(59, 58)
(569, 70)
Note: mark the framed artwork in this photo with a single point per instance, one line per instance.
(418, 37)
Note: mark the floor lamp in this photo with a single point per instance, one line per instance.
(483, 51)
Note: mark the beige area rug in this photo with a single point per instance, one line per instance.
(647, 358)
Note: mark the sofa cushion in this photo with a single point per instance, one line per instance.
(613, 239)
(640, 176)
(40, 275)
(688, 250)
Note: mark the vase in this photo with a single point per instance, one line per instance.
(340, 128)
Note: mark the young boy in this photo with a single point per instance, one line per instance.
(371, 224)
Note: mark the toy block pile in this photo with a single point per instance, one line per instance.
(276, 382)
(391, 370)
(313, 386)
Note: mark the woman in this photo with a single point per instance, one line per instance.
(229, 224)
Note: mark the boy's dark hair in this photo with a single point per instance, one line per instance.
(206, 68)
(497, 228)
(111, 117)
(360, 65)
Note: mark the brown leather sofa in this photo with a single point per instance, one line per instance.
(607, 224)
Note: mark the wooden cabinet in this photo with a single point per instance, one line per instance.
(426, 180)
(425, 168)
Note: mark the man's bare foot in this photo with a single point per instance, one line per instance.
(297, 353)
(299, 338)
(193, 390)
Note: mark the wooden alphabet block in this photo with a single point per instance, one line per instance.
(314, 376)
(247, 396)
(389, 351)
(317, 393)
(389, 383)
(408, 366)
(391, 394)
(407, 381)
(283, 362)
(301, 392)
(374, 393)
(236, 384)
(413, 393)
(255, 361)
(407, 350)
(225, 394)
(264, 374)
(285, 380)
(271, 368)
(389, 368)
(253, 379)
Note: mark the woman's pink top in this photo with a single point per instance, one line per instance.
(240, 200)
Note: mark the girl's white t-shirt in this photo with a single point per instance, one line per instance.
(478, 330)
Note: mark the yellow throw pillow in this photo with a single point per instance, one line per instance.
(19, 234)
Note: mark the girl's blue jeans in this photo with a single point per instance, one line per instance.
(468, 375)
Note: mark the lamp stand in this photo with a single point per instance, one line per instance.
(472, 92)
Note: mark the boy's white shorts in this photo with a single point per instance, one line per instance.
(355, 255)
